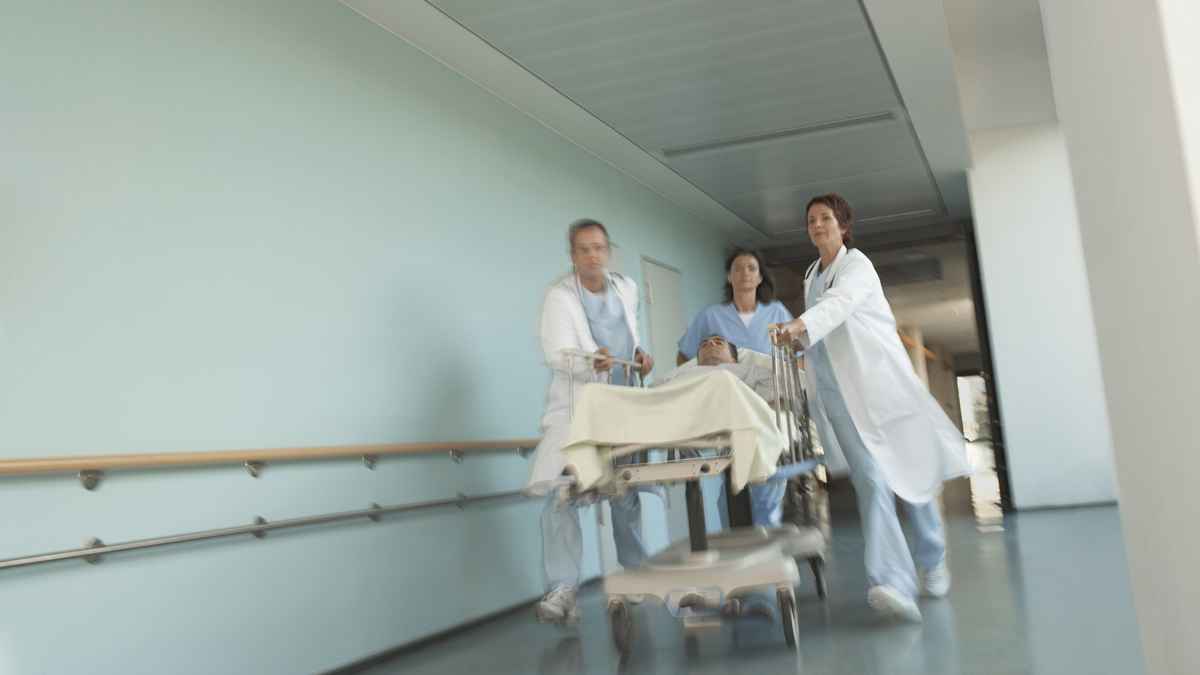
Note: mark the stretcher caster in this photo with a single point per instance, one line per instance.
(620, 618)
(789, 617)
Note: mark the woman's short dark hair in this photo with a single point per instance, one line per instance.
(765, 292)
(841, 210)
(581, 225)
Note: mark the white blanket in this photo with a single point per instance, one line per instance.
(752, 371)
(694, 407)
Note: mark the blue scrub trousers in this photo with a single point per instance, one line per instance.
(888, 560)
(766, 502)
(562, 539)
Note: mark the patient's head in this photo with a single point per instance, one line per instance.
(715, 350)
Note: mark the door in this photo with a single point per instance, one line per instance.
(666, 320)
(662, 296)
(663, 321)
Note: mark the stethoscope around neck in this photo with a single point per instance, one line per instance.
(813, 270)
(630, 367)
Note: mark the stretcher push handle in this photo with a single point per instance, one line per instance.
(632, 368)
(579, 353)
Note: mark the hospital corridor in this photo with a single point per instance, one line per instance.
(563, 337)
(1015, 609)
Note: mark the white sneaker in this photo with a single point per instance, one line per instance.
(937, 581)
(893, 604)
(558, 606)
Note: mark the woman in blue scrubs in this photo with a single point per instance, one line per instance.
(746, 315)
(750, 308)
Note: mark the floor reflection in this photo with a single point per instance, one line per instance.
(985, 487)
(1042, 593)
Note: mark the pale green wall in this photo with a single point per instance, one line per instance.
(230, 224)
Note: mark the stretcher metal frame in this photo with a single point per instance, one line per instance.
(699, 579)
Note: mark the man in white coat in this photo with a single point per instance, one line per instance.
(868, 400)
(595, 311)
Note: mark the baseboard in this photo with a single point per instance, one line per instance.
(1064, 507)
(407, 647)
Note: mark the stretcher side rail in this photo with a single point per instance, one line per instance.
(693, 579)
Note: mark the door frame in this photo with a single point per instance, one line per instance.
(648, 290)
(988, 372)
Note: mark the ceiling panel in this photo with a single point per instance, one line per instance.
(606, 55)
(570, 25)
(875, 197)
(742, 81)
(663, 32)
(799, 161)
(766, 118)
(670, 122)
(734, 80)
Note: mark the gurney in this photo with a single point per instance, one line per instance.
(716, 424)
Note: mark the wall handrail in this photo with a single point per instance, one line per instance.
(258, 529)
(162, 460)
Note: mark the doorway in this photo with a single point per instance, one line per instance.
(973, 408)
(973, 405)
(666, 321)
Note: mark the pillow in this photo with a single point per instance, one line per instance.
(754, 358)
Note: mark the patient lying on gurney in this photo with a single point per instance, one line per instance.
(754, 369)
(717, 353)
(696, 403)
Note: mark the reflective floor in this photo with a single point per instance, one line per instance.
(1041, 592)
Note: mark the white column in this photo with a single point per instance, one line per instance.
(1127, 103)
(1043, 334)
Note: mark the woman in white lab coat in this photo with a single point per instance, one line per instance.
(594, 311)
(894, 436)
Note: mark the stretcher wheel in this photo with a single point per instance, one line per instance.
(691, 645)
(818, 570)
(621, 620)
(789, 617)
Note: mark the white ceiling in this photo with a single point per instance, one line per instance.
(738, 112)
(760, 104)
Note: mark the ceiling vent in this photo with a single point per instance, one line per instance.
(910, 272)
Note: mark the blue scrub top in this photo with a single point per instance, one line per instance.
(606, 317)
(816, 355)
(723, 320)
